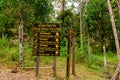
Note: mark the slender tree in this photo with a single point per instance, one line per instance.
(63, 5)
(89, 53)
(118, 3)
(114, 77)
(20, 25)
(80, 5)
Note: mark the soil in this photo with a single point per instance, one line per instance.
(9, 74)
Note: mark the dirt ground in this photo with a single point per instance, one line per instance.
(15, 73)
(9, 74)
(47, 74)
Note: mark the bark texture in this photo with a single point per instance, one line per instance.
(81, 25)
(118, 2)
(63, 5)
(114, 77)
(90, 60)
(21, 37)
(104, 51)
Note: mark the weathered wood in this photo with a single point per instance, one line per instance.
(54, 67)
(37, 66)
(68, 58)
(73, 54)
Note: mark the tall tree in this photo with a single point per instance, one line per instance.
(118, 3)
(20, 25)
(97, 23)
(114, 77)
(63, 5)
(25, 11)
(89, 53)
(81, 41)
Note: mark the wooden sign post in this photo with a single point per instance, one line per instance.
(68, 58)
(54, 67)
(71, 43)
(37, 66)
(73, 53)
(46, 42)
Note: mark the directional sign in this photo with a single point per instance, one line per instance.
(46, 39)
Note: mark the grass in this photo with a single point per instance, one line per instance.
(9, 58)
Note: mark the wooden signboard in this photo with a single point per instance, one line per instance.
(46, 39)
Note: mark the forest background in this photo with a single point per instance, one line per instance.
(90, 19)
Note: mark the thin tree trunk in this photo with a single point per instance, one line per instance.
(90, 60)
(95, 47)
(114, 77)
(118, 3)
(81, 42)
(63, 5)
(105, 62)
(86, 2)
(21, 37)
(3, 33)
(104, 51)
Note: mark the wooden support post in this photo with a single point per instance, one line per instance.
(37, 66)
(54, 67)
(73, 54)
(68, 58)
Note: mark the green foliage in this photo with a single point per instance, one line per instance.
(63, 51)
(42, 10)
(68, 20)
(15, 57)
(32, 11)
(10, 56)
(97, 23)
(5, 42)
(7, 52)
(47, 59)
(97, 62)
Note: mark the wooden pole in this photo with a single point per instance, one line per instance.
(37, 66)
(54, 67)
(68, 58)
(73, 55)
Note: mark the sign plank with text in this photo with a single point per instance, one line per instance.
(46, 39)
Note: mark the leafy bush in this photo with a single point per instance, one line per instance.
(63, 51)
(15, 56)
(5, 42)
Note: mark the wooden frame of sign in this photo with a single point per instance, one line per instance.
(46, 42)
(71, 44)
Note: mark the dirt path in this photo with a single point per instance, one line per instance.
(9, 74)
(82, 73)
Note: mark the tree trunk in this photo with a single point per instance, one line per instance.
(63, 5)
(21, 37)
(114, 77)
(104, 51)
(95, 47)
(90, 60)
(81, 42)
(86, 2)
(118, 3)
(3, 33)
